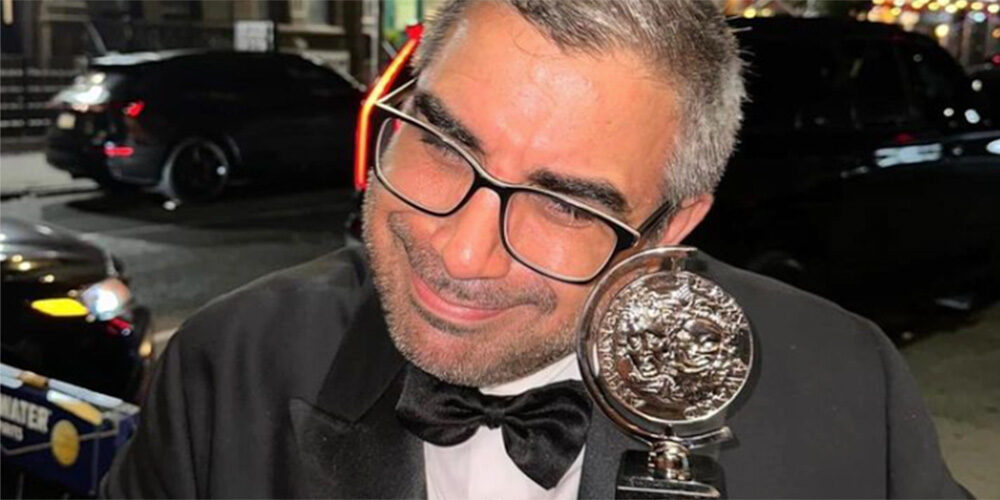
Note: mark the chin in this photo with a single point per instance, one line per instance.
(437, 347)
(454, 358)
(476, 359)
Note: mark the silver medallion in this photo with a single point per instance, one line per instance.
(673, 347)
(663, 352)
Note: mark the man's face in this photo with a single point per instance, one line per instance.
(458, 305)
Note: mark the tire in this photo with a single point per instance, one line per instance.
(197, 169)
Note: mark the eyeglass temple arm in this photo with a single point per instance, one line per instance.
(655, 217)
(384, 101)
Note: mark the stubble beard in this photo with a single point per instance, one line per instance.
(495, 355)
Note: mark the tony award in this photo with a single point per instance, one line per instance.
(663, 352)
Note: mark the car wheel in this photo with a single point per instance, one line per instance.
(196, 169)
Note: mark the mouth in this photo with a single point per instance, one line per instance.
(448, 310)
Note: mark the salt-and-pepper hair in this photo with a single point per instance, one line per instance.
(686, 42)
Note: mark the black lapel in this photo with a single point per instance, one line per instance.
(349, 440)
(605, 446)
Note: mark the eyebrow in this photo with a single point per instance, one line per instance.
(437, 114)
(601, 191)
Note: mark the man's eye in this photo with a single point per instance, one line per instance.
(566, 213)
(440, 148)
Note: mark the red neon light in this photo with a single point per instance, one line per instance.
(133, 109)
(382, 85)
(414, 31)
(112, 151)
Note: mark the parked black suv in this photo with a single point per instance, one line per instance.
(188, 122)
(866, 170)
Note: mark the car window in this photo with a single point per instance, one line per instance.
(792, 85)
(220, 75)
(936, 83)
(195, 75)
(877, 89)
(306, 75)
(263, 74)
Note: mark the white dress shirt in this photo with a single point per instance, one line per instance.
(479, 468)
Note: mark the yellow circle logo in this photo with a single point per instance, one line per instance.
(65, 443)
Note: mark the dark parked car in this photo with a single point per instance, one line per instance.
(68, 312)
(188, 123)
(866, 172)
(986, 78)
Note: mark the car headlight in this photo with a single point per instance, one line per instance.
(994, 147)
(106, 299)
(61, 307)
(102, 301)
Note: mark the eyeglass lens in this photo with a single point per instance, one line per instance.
(542, 231)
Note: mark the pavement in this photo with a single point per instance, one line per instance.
(180, 259)
(27, 173)
(958, 372)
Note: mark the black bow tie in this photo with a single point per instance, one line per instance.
(544, 429)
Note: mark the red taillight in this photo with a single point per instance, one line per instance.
(134, 108)
(381, 87)
(112, 151)
(119, 327)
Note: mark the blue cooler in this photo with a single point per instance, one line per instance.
(58, 436)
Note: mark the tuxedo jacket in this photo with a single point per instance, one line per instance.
(287, 388)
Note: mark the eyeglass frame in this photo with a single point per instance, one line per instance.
(626, 236)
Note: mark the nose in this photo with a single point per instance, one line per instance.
(469, 240)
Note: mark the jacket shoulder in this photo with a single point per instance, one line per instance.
(832, 398)
(783, 313)
(286, 326)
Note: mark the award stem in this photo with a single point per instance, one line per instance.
(671, 460)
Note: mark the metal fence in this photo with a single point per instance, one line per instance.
(24, 94)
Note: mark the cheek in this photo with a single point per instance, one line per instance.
(570, 299)
(380, 206)
(421, 226)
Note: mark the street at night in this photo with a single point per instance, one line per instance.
(180, 259)
(617, 248)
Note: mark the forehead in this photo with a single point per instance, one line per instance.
(533, 105)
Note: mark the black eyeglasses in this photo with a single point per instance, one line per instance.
(549, 232)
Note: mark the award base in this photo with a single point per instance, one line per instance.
(636, 480)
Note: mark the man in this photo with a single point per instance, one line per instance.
(540, 142)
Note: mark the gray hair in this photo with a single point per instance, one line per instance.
(689, 45)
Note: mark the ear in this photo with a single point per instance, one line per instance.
(687, 217)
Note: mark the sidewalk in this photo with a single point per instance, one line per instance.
(27, 173)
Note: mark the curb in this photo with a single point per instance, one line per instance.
(43, 192)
